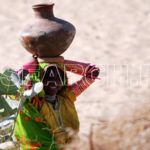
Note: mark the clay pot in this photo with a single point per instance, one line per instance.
(47, 36)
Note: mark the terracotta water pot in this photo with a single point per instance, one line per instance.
(46, 35)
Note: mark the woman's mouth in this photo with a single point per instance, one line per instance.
(53, 87)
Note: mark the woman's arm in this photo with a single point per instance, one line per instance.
(76, 67)
(89, 73)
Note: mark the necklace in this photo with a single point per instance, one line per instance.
(50, 99)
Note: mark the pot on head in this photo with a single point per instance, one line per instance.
(46, 35)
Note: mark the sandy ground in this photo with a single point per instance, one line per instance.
(114, 35)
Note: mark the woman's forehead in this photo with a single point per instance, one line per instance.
(53, 72)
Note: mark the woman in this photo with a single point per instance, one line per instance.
(47, 118)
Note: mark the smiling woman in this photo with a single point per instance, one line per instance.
(53, 79)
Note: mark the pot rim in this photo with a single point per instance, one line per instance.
(42, 5)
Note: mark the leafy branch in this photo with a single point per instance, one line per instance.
(11, 84)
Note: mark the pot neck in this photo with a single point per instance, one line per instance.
(43, 10)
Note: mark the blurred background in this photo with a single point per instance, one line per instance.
(114, 35)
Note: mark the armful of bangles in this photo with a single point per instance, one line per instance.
(89, 74)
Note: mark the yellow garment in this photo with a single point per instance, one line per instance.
(65, 117)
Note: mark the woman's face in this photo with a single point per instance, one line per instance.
(53, 80)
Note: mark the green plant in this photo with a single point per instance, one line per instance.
(10, 84)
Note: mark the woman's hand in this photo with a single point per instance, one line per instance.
(59, 59)
(92, 72)
(84, 69)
